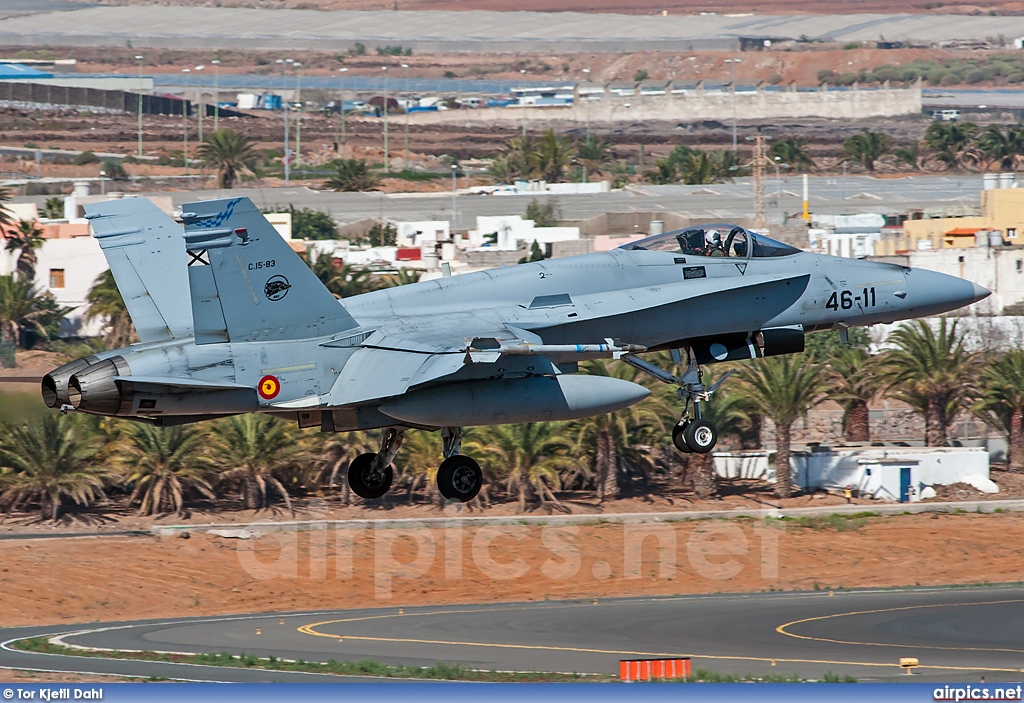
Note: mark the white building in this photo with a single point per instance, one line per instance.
(852, 236)
(507, 231)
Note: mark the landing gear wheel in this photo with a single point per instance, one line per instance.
(678, 438)
(367, 482)
(700, 436)
(459, 478)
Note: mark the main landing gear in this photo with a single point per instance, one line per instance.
(690, 435)
(458, 478)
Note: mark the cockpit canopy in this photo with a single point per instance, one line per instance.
(720, 240)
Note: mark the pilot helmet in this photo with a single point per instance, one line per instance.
(713, 237)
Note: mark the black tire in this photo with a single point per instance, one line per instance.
(363, 482)
(459, 478)
(700, 436)
(679, 440)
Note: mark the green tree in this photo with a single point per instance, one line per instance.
(867, 147)
(308, 223)
(932, 371)
(517, 162)
(26, 240)
(383, 234)
(260, 448)
(1001, 403)
(593, 153)
(23, 307)
(528, 456)
(343, 280)
(1002, 149)
(782, 388)
(114, 170)
(231, 153)
(403, 277)
(6, 216)
(909, 154)
(612, 437)
(105, 302)
(543, 214)
(793, 152)
(351, 175)
(854, 381)
(53, 208)
(48, 460)
(163, 465)
(951, 142)
(553, 156)
(640, 75)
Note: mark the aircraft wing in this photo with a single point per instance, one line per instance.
(372, 374)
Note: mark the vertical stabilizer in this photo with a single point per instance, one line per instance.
(247, 284)
(146, 253)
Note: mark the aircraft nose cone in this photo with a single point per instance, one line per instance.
(980, 292)
(933, 293)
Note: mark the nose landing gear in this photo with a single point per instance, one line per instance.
(690, 435)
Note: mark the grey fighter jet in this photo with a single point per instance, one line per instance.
(231, 321)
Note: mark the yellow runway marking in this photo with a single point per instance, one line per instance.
(312, 630)
(783, 629)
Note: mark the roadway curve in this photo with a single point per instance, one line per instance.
(957, 633)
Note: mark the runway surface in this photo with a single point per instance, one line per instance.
(958, 634)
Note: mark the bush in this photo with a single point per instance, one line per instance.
(851, 45)
(1015, 77)
(640, 75)
(543, 214)
(975, 76)
(113, 169)
(775, 79)
(827, 75)
(86, 157)
(950, 79)
(936, 75)
(847, 79)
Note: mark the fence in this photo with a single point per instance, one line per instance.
(887, 425)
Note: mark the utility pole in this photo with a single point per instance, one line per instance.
(387, 165)
(759, 161)
(455, 215)
(139, 59)
(298, 114)
(732, 68)
(216, 94)
(406, 66)
(199, 95)
(184, 122)
(341, 106)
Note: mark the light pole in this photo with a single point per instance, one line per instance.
(342, 71)
(778, 182)
(216, 94)
(455, 212)
(184, 123)
(387, 166)
(283, 63)
(406, 66)
(732, 69)
(139, 59)
(298, 114)
(199, 95)
(586, 76)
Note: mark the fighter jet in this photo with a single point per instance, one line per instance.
(232, 321)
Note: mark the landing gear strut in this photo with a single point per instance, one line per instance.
(370, 475)
(690, 434)
(458, 477)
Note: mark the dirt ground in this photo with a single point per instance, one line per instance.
(121, 578)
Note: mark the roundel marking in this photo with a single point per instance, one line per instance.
(719, 351)
(269, 387)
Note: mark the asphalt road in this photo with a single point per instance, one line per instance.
(958, 634)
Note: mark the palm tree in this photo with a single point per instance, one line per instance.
(231, 153)
(782, 388)
(404, 277)
(336, 452)
(793, 152)
(952, 142)
(6, 216)
(529, 456)
(163, 465)
(612, 436)
(23, 307)
(699, 168)
(854, 381)
(25, 241)
(593, 153)
(53, 208)
(1002, 149)
(105, 302)
(909, 154)
(343, 280)
(1001, 403)
(868, 147)
(553, 156)
(259, 447)
(931, 371)
(48, 460)
(351, 175)
(418, 462)
(663, 173)
(516, 162)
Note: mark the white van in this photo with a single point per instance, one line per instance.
(945, 115)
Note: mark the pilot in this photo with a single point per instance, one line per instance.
(713, 243)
